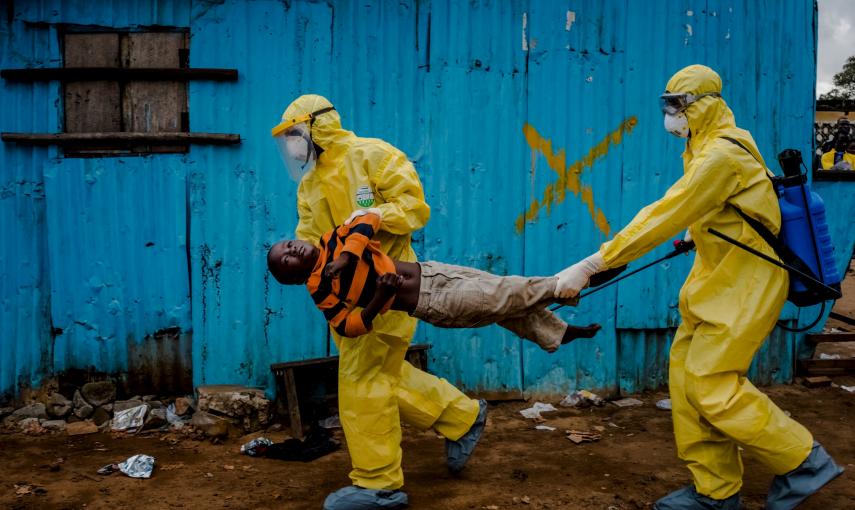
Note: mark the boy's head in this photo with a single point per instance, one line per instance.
(291, 261)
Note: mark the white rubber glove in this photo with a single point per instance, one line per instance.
(573, 279)
(688, 237)
(362, 212)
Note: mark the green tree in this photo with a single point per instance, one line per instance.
(844, 82)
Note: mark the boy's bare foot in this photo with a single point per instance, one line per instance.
(574, 332)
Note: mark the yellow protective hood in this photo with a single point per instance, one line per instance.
(326, 128)
(707, 115)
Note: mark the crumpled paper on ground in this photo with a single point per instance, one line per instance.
(257, 447)
(331, 422)
(628, 402)
(533, 412)
(130, 420)
(138, 466)
(581, 398)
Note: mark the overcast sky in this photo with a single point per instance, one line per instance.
(836, 40)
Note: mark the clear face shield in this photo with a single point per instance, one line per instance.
(294, 140)
(297, 150)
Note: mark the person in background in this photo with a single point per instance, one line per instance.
(841, 156)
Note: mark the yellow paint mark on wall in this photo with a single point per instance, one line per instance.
(568, 176)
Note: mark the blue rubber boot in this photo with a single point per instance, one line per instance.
(688, 498)
(459, 451)
(789, 490)
(357, 498)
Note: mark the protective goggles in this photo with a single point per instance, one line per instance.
(672, 104)
(307, 118)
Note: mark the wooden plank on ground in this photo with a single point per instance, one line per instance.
(818, 381)
(827, 366)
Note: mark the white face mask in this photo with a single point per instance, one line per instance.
(298, 154)
(298, 148)
(677, 125)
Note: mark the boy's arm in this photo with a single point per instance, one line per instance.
(353, 323)
(360, 231)
(356, 237)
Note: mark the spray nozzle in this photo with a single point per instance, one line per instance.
(791, 162)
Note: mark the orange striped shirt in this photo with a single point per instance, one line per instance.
(341, 298)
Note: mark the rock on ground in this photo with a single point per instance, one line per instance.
(182, 406)
(82, 408)
(121, 405)
(36, 410)
(211, 425)
(80, 428)
(54, 425)
(100, 416)
(58, 406)
(99, 393)
(156, 418)
(31, 426)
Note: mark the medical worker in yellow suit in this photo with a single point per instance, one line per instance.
(842, 156)
(728, 305)
(341, 176)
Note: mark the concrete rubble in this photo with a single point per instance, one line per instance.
(217, 412)
(99, 393)
(244, 407)
(58, 406)
(123, 405)
(82, 408)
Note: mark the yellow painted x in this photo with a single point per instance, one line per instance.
(568, 176)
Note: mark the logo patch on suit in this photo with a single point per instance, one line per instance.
(364, 196)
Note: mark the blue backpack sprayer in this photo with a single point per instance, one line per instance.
(804, 245)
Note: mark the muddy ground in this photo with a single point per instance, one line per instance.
(629, 468)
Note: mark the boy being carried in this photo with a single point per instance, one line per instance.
(349, 272)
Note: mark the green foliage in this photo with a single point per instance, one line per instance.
(844, 82)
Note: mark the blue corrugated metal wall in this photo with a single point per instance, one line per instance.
(25, 341)
(534, 126)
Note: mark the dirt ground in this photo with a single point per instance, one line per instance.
(629, 468)
(515, 466)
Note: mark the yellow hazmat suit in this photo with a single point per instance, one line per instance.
(728, 304)
(828, 159)
(376, 385)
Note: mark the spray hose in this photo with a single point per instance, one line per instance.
(680, 247)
